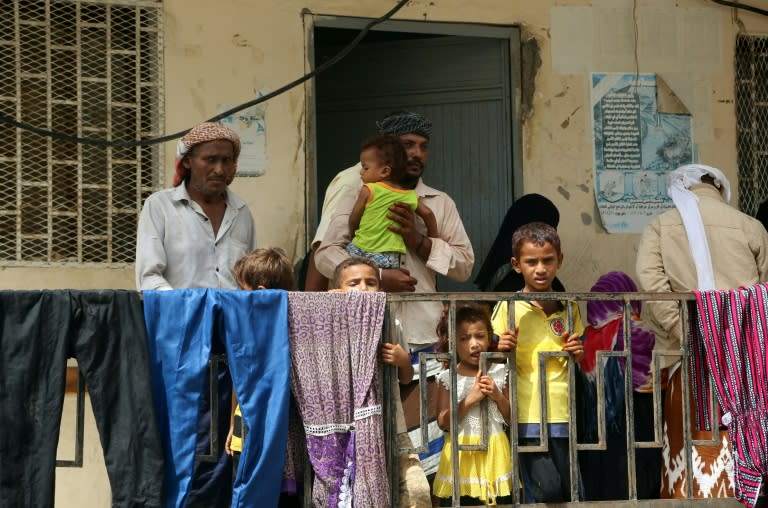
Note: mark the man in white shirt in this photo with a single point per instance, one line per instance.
(190, 236)
(449, 253)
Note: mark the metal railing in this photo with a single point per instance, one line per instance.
(571, 300)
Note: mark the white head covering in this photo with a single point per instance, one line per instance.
(687, 203)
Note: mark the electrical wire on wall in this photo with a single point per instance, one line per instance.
(169, 137)
(636, 36)
(737, 5)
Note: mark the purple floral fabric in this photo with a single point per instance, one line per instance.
(293, 473)
(335, 340)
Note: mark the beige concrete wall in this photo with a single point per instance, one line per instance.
(223, 52)
(89, 485)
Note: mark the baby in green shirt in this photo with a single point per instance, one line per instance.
(383, 161)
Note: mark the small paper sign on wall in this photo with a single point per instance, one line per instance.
(249, 124)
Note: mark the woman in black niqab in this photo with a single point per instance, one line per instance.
(496, 273)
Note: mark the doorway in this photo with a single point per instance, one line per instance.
(461, 77)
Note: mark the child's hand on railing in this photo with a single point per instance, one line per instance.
(489, 388)
(394, 354)
(475, 394)
(508, 340)
(573, 345)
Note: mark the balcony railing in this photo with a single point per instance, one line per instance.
(683, 300)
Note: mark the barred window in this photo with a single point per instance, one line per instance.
(83, 68)
(752, 120)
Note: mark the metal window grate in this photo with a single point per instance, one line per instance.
(91, 69)
(752, 120)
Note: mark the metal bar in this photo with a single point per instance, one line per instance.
(686, 400)
(48, 141)
(714, 422)
(123, 3)
(573, 457)
(80, 427)
(19, 151)
(158, 115)
(543, 445)
(110, 130)
(527, 297)
(80, 114)
(629, 403)
(213, 391)
(423, 404)
(454, 434)
(391, 444)
(602, 359)
(513, 425)
(139, 109)
(657, 403)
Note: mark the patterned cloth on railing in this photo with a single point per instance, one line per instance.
(334, 343)
(605, 472)
(729, 342)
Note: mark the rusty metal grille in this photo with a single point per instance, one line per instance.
(752, 120)
(90, 69)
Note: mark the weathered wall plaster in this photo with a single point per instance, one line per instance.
(222, 52)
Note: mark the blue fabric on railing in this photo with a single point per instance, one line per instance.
(253, 327)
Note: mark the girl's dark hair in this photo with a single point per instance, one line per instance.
(465, 312)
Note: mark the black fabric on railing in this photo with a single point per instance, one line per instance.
(104, 331)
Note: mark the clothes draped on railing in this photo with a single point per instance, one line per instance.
(728, 342)
(604, 472)
(334, 345)
(146, 372)
(104, 331)
(253, 327)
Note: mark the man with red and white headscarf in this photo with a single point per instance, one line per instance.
(190, 235)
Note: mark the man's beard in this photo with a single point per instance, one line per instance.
(410, 179)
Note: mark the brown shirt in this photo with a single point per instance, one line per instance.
(738, 245)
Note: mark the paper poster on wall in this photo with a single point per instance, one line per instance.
(642, 132)
(250, 126)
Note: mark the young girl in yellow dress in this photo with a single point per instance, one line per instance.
(484, 476)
